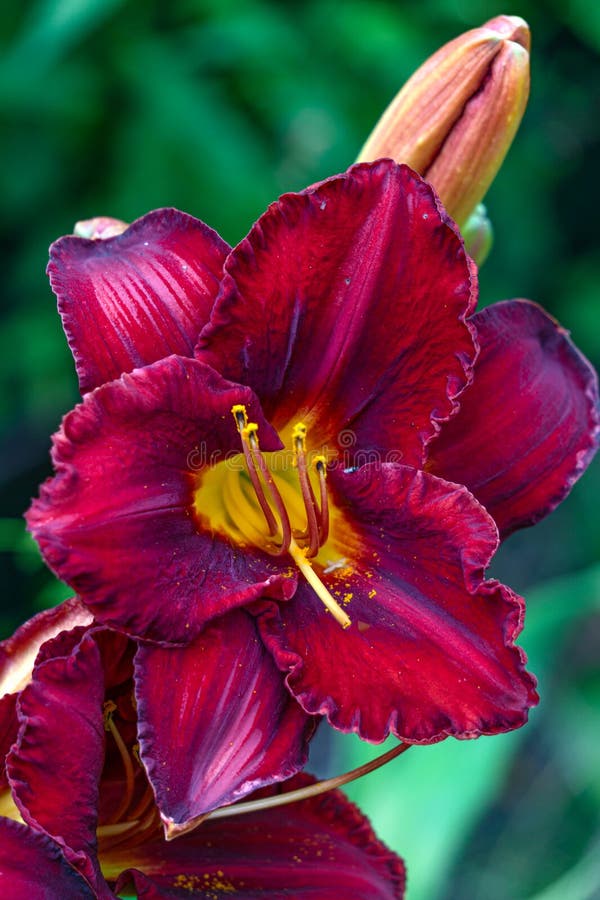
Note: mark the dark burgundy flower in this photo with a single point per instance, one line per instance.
(204, 738)
(299, 460)
(89, 824)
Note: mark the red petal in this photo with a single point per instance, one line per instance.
(55, 766)
(32, 866)
(345, 306)
(17, 656)
(318, 849)
(132, 299)
(430, 651)
(116, 522)
(215, 721)
(528, 426)
(18, 653)
(9, 727)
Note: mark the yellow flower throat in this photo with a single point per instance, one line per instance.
(256, 504)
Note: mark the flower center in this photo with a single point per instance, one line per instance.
(8, 807)
(272, 501)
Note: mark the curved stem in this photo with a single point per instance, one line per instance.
(311, 790)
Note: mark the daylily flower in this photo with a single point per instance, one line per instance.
(455, 118)
(204, 740)
(79, 819)
(342, 330)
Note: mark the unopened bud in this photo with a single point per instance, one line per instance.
(456, 117)
(478, 234)
(100, 228)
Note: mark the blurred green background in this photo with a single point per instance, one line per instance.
(114, 107)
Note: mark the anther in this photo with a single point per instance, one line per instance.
(240, 415)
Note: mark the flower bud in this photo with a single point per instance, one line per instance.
(100, 228)
(455, 118)
(478, 234)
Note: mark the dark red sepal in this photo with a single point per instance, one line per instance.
(430, 651)
(32, 867)
(118, 520)
(528, 425)
(345, 307)
(135, 298)
(215, 721)
(317, 849)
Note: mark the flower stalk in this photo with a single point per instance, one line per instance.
(310, 790)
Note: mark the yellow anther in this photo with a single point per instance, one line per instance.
(249, 433)
(238, 411)
(299, 432)
(320, 464)
(299, 439)
(108, 710)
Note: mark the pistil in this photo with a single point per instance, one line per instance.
(299, 557)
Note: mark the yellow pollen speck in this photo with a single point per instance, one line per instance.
(347, 597)
(209, 882)
(372, 594)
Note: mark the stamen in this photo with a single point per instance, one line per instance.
(320, 464)
(255, 464)
(109, 725)
(310, 504)
(298, 555)
(286, 528)
(146, 801)
(317, 518)
(251, 449)
(241, 419)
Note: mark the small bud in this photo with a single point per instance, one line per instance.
(478, 234)
(100, 228)
(456, 117)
